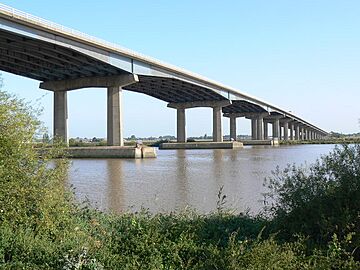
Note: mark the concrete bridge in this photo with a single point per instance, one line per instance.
(63, 60)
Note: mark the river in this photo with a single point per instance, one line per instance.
(177, 179)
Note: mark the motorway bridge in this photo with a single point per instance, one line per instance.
(63, 59)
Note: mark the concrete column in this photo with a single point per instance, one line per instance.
(260, 127)
(286, 131)
(302, 133)
(61, 116)
(291, 131)
(276, 129)
(253, 128)
(297, 132)
(181, 125)
(232, 128)
(217, 129)
(306, 131)
(114, 117)
(266, 134)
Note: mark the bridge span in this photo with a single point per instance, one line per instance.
(63, 59)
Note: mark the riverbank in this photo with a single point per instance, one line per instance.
(355, 140)
(43, 227)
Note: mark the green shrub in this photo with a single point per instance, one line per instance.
(319, 201)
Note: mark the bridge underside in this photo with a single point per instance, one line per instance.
(49, 57)
(44, 61)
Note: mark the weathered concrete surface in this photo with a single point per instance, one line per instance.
(148, 152)
(61, 116)
(202, 145)
(260, 142)
(111, 152)
(96, 81)
(114, 117)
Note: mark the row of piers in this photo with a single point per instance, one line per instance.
(283, 128)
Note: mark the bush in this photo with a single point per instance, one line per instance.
(321, 201)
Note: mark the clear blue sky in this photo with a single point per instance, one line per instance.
(303, 56)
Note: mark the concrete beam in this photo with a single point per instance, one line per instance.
(96, 81)
(203, 103)
(236, 115)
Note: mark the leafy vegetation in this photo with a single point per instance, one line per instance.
(312, 223)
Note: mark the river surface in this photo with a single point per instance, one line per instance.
(177, 179)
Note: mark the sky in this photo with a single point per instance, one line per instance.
(303, 56)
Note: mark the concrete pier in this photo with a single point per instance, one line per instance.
(201, 145)
(286, 131)
(291, 127)
(217, 126)
(297, 132)
(260, 126)
(266, 132)
(61, 116)
(111, 152)
(181, 125)
(254, 128)
(302, 137)
(114, 117)
(233, 127)
(276, 128)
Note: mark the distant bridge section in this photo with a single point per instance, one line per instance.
(63, 59)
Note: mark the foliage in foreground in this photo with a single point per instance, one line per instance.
(42, 228)
(321, 201)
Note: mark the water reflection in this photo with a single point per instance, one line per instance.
(181, 183)
(180, 178)
(115, 189)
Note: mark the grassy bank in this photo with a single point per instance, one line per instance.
(310, 222)
(344, 140)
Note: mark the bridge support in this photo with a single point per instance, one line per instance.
(286, 131)
(291, 127)
(253, 128)
(181, 126)
(276, 128)
(297, 132)
(217, 125)
(114, 114)
(61, 116)
(217, 110)
(266, 132)
(233, 128)
(302, 137)
(260, 126)
(114, 117)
